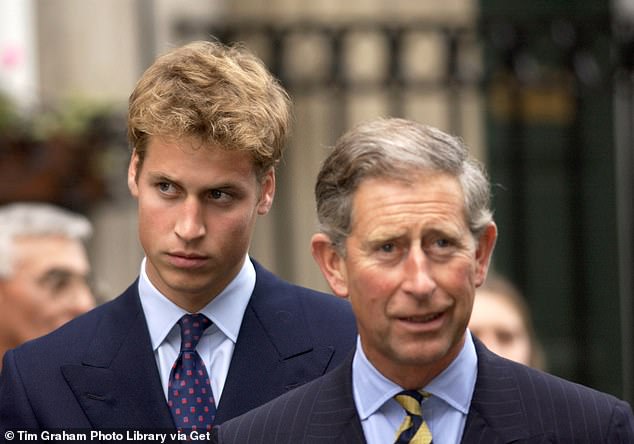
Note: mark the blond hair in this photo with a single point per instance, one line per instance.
(220, 95)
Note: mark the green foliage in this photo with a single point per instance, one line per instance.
(10, 120)
(71, 119)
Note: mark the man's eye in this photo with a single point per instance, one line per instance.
(387, 248)
(56, 280)
(440, 247)
(443, 243)
(60, 283)
(219, 195)
(166, 187)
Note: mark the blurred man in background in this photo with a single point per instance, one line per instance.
(44, 271)
(502, 320)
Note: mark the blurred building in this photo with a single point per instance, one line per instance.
(542, 91)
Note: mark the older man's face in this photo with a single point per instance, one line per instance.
(47, 288)
(410, 272)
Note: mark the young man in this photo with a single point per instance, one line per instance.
(44, 271)
(407, 236)
(205, 333)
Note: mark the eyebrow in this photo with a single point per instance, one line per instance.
(384, 234)
(159, 176)
(226, 185)
(57, 272)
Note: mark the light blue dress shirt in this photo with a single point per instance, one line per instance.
(445, 412)
(217, 343)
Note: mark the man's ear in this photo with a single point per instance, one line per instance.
(267, 192)
(133, 168)
(484, 252)
(332, 265)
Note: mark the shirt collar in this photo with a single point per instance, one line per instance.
(454, 385)
(226, 310)
(371, 388)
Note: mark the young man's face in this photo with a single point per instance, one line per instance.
(197, 210)
(47, 288)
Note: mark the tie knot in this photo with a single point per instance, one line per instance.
(192, 328)
(413, 429)
(410, 400)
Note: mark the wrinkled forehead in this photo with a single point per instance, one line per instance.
(39, 252)
(416, 188)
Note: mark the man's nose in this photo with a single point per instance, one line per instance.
(418, 279)
(190, 223)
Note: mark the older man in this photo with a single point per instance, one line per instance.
(407, 236)
(44, 270)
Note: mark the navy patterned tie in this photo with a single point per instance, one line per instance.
(190, 398)
(413, 430)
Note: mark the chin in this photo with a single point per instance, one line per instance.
(424, 354)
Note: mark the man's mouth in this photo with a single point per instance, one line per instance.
(426, 318)
(187, 260)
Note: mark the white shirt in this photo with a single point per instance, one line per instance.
(218, 341)
(445, 412)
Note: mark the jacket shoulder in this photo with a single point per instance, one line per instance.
(70, 341)
(511, 395)
(320, 308)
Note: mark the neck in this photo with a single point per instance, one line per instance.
(414, 373)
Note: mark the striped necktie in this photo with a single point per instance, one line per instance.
(413, 430)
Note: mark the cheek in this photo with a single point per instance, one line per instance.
(28, 308)
(230, 232)
(148, 208)
(237, 225)
(366, 279)
(458, 278)
(153, 220)
(51, 310)
(371, 290)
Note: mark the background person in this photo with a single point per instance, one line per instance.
(44, 270)
(406, 234)
(205, 333)
(501, 319)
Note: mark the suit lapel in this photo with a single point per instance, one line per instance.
(496, 414)
(270, 358)
(334, 417)
(118, 384)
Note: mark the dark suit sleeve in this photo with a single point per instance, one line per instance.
(621, 424)
(214, 436)
(15, 410)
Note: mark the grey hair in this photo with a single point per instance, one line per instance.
(37, 219)
(395, 148)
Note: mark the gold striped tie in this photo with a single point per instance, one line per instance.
(413, 430)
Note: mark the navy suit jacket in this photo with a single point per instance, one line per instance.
(99, 371)
(511, 404)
